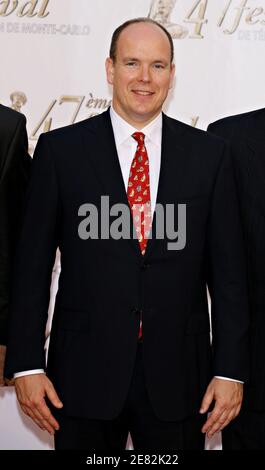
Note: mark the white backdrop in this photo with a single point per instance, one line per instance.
(52, 70)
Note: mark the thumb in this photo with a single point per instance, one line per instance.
(53, 397)
(207, 400)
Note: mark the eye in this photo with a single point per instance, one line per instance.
(131, 63)
(159, 66)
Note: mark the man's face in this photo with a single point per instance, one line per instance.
(141, 74)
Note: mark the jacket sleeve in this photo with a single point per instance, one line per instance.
(226, 277)
(14, 177)
(33, 266)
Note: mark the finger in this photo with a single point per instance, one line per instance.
(30, 413)
(44, 413)
(53, 397)
(230, 418)
(38, 410)
(233, 413)
(24, 409)
(216, 427)
(206, 402)
(214, 416)
(45, 423)
(238, 408)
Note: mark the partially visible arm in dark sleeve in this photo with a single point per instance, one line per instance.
(14, 178)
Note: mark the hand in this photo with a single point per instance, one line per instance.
(228, 397)
(31, 391)
(2, 363)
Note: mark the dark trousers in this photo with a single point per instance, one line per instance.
(246, 432)
(137, 417)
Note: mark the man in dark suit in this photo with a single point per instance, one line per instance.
(130, 345)
(246, 134)
(14, 172)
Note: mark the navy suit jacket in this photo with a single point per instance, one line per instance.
(106, 284)
(14, 174)
(246, 135)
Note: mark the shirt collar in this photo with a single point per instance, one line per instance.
(123, 130)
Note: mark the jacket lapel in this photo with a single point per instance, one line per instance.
(172, 170)
(103, 153)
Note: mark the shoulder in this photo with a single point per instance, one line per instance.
(193, 135)
(10, 119)
(69, 133)
(238, 121)
(62, 143)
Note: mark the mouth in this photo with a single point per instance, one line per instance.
(143, 92)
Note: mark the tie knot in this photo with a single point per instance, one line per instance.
(139, 137)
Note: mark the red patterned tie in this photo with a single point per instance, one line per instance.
(139, 195)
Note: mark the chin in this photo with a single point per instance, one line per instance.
(143, 113)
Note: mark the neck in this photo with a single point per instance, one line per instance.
(134, 122)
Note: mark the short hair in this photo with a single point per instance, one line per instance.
(118, 31)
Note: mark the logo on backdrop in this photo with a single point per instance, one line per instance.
(242, 17)
(38, 11)
(18, 99)
(38, 8)
(233, 14)
(160, 11)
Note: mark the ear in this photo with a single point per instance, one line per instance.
(172, 75)
(109, 65)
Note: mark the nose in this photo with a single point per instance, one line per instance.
(144, 75)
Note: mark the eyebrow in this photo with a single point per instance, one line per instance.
(130, 58)
(161, 61)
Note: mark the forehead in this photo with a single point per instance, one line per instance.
(143, 39)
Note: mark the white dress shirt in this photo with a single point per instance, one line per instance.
(126, 147)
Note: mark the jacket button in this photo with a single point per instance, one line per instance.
(145, 266)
